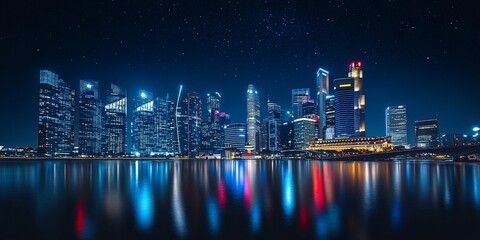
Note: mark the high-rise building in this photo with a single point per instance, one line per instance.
(299, 96)
(115, 121)
(396, 125)
(309, 108)
(427, 133)
(344, 107)
(144, 130)
(235, 135)
(56, 116)
(171, 138)
(264, 134)
(189, 123)
(161, 125)
(356, 73)
(253, 117)
(323, 85)
(212, 133)
(287, 135)
(329, 117)
(304, 131)
(274, 124)
(90, 125)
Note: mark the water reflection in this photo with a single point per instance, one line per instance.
(239, 199)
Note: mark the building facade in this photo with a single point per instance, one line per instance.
(427, 133)
(344, 107)
(396, 125)
(274, 124)
(235, 135)
(329, 117)
(56, 116)
(363, 144)
(356, 73)
(143, 128)
(323, 86)
(304, 131)
(253, 117)
(299, 96)
(115, 115)
(90, 122)
(189, 123)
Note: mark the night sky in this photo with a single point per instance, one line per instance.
(422, 54)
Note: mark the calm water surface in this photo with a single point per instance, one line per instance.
(265, 199)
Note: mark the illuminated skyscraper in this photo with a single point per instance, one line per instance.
(426, 133)
(323, 84)
(396, 125)
(274, 124)
(304, 131)
(329, 117)
(235, 135)
(144, 135)
(213, 132)
(165, 126)
(253, 117)
(56, 115)
(116, 121)
(344, 107)
(309, 108)
(189, 123)
(356, 73)
(90, 125)
(299, 96)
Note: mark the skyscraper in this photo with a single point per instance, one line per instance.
(90, 125)
(427, 133)
(253, 117)
(212, 134)
(344, 107)
(274, 124)
(309, 108)
(115, 121)
(143, 124)
(56, 115)
(396, 125)
(189, 123)
(304, 131)
(323, 84)
(165, 126)
(329, 117)
(235, 135)
(356, 73)
(299, 96)
(171, 138)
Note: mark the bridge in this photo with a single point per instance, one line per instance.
(457, 152)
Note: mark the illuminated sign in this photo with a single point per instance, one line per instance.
(345, 85)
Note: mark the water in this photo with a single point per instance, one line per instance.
(279, 199)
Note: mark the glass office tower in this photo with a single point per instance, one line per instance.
(356, 73)
(143, 124)
(323, 84)
(253, 117)
(427, 133)
(56, 116)
(90, 125)
(299, 96)
(189, 123)
(274, 124)
(115, 121)
(344, 107)
(396, 125)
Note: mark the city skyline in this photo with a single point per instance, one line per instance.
(425, 60)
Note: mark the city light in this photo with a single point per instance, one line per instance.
(476, 129)
(143, 95)
(89, 86)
